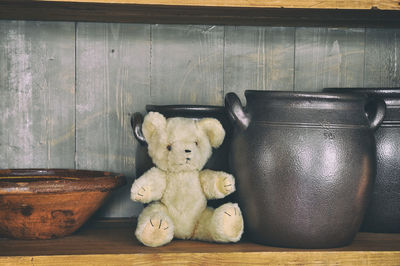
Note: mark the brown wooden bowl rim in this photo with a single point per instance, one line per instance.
(32, 181)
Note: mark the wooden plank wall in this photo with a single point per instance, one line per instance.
(187, 64)
(37, 102)
(112, 81)
(67, 90)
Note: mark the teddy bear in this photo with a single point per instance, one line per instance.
(177, 189)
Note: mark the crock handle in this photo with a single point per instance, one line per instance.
(375, 110)
(235, 111)
(136, 123)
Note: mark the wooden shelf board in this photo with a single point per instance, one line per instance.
(332, 4)
(363, 13)
(113, 243)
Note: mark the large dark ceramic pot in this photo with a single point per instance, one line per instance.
(305, 165)
(383, 213)
(219, 159)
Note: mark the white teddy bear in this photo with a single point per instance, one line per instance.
(180, 147)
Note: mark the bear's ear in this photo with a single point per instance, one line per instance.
(213, 129)
(152, 123)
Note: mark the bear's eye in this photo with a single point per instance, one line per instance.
(197, 144)
(169, 147)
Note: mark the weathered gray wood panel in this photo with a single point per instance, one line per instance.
(187, 64)
(382, 58)
(329, 57)
(258, 58)
(113, 81)
(122, 67)
(37, 94)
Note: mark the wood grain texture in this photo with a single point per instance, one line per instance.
(37, 94)
(122, 67)
(360, 4)
(382, 58)
(187, 64)
(211, 15)
(252, 258)
(258, 58)
(328, 57)
(116, 245)
(112, 83)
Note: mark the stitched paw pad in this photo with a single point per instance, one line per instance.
(156, 232)
(230, 222)
(226, 184)
(141, 193)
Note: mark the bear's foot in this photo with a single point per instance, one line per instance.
(155, 232)
(228, 222)
(155, 227)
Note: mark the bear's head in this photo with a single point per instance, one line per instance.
(181, 144)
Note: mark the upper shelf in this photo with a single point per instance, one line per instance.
(361, 13)
(315, 4)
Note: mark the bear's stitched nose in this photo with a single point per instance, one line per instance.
(187, 151)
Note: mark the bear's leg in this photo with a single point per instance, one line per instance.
(224, 224)
(155, 227)
(202, 231)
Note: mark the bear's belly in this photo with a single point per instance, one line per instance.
(185, 201)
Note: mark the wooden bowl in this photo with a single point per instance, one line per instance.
(51, 203)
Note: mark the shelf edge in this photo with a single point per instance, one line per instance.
(317, 4)
(295, 257)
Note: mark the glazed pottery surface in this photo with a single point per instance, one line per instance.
(51, 203)
(383, 213)
(305, 165)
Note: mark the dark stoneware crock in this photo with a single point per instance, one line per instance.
(383, 213)
(305, 165)
(219, 159)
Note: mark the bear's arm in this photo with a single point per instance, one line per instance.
(150, 186)
(216, 184)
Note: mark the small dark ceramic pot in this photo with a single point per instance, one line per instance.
(383, 213)
(305, 165)
(219, 159)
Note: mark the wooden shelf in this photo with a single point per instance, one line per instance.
(315, 4)
(362, 13)
(113, 243)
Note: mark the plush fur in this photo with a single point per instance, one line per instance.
(179, 147)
